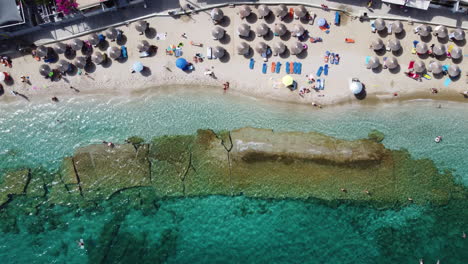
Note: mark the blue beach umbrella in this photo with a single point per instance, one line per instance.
(321, 22)
(181, 63)
(138, 66)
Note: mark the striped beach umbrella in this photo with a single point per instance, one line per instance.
(440, 31)
(281, 11)
(391, 62)
(63, 65)
(44, 70)
(217, 33)
(435, 67)
(422, 48)
(261, 47)
(217, 14)
(423, 30)
(456, 53)
(394, 44)
(243, 48)
(296, 48)
(279, 47)
(114, 52)
(42, 51)
(397, 27)
(439, 49)
(93, 39)
(454, 70)
(111, 33)
(97, 57)
(300, 11)
(60, 47)
(262, 30)
(243, 30)
(138, 66)
(244, 11)
(458, 34)
(76, 44)
(298, 30)
(263, 11)
(141, 26)
(419, 66)
(377, 44)
(219, 52)
(379, 24)
(280, 29)
(373, 62)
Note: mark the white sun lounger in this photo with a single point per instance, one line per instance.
(209, 53)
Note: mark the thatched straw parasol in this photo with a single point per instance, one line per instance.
(279, 47)
(454, 70)
(373, 62)
(97, 57)
(391, 63)
(244, 11)
(243, 30)
(439, 49)
(60, 47)
(217, 14)
(281, 11)
(114, 52)
(93, 39)
(379, 24)
(296, 48)
(44, 70)
(298, 30)
(111, 33)
(217, 33)
(456, 53)
(76, 44)
(243, 48)
(280, 29)
(397, 27)
(261, 47)
(435, 67)
(262, 30)
(263, 11)
(300, 11)
(219, 52)
(143, 46)
(377, 44)
(42, 51)
(423, 30)
(80, 62)
(419, 66)
(63, 65)
(440, 31)
(422, 48)
(141, 26)
(394, 44)
(458, 34)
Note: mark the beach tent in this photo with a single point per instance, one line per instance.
(440, 31)
(217, 33)
(42, 51)
(217, 14)
(298, 30)
(355, 87)
(111, 33)
(454, 71)
(458, 34)
(263, 11)
(422, 48)
(419, 66)
(435, 67)
(261, 47)
(262, 30)
(97, 57)
(322, 22)
(373, 62)
(379, 24)
(300, 11)
(279, 47)
(63, 65)
(243, 30)
(138, 66)
(76, 44)
(287, 80)
(394, 44)
(60, 47)
(80, 62)
(281, 11)
(439, 49)
(391, 63)
(377, 44)
(280, 29)
(423, 30)
(44, 70)
(182, 64)
(143, 46)
(114, 52)
(296, 48)
(141, 26)
(244, 11)
(219, 52)
(243, 48)
(456, 53)
(397, 27)
(93, 39)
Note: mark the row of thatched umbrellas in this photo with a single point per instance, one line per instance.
(278, 48)
(421, 48)
(263, 10)
(261, 30)
(419, 66)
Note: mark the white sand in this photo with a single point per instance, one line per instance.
(117, 79)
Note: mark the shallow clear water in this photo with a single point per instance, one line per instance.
(235, 229)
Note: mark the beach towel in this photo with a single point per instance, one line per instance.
(411, 65)
(264, 68)
(161, 36)
(319, 71)
(447, 82)
(273, 67)
(278, 67)
(325, 70)
(252, 63)
(288, 69)
(427, 76)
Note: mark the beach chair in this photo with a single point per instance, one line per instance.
(124, 52)
(288, 68)
(322, 84)
(337, 18)
(264, 68)
(411, 65)
(144, 54)
(447, 82)
(319, 71)
(367, 61)
(299, 68)
(209, 53)
(427, 76)
(273, 67)
(291, 66)
(348, 40)
(337, 59)
(389, 28)
(251, 63)
(325, 70)
(278, 67)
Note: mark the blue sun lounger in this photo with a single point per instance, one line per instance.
(264, 68)
(124, 52)
(278, 67)
(299, 68)
(288, 70)
(325, 70)
(295, 67)
(319, 71)
(252, 63)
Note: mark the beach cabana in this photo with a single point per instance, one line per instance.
(219, 52)
(217, 33)
(397, 27)
(296, 48)
(93, 39)
(243, 30)
(97, 57)
(262, 30)
(114, 52)
(137, 66)
(287, 80)
(456, 53)
(379, 24)
(457, 34)
(279, 48)
(356, 87)
(419, 66)
(281, 11)
(435, 67)
(143, 46)
(76, 44)
(391, 63)
(141, 26)
(111, 33)
(263, 11)
(422, 48)
(243, 48)
(63, 65)
(44, 70)
(300, 11)
(394, 44)
(60, 47)
(42, 51)
(244, 11)
(440, 31)
(373, 62)
(439, 49)
(261, 47)
(423, 30)
(454, 71)
(217, 14)
(182, 64)
(298, 30)
(377, 44)
(280, 29)
(80, 62)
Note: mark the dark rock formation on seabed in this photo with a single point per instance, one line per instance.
(252, 162)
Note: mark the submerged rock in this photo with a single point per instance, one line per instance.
(376, 136)
(13, 183)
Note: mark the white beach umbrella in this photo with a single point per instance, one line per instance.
(243, 30)
(397, 27)
(440, 31)
(143, 46)
(435, 67)
(298, 30)
(111, 33)
(80, 62)
(262, 30)
(422, 48)
(263, 11)
(219, 52)
(379, 24)
(76, 44)
(243, 48)
(44, 70)
(419, 66)
(217, 14)
(63, 65)
(261, 47)
(424, 30)
(218, 33)
(394, 44)
(279, 47)
(439, 49)
(280, 29)
(244, 11)
(97, 57)
(141, 26)
(456, 53)
(114, 52)
(377, 44)
(391, 63)
(374, 62)
(300, 11)
(42, 51)
(93, 39)
(296, 48)
(458, 34)
(355, 87)
(454, 70)
(60, 47)
(281, 11)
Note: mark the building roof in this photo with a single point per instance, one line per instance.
(419, 4)
(9, 12)
(84, 4)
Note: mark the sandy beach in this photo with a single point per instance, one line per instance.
(115, 78)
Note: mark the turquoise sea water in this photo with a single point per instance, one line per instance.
(231, 229)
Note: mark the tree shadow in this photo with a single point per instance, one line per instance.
(285, 54)
(378, 69)
(146, 72)
(252, 18)
(286, 36)
(225, 22)
(90, 67)
(122, 40)
(225, 58)
(150, 33)
(2, 91)
(303, 54)
(270, 18)
(401, 35)
(398, 52)
(268, 36)
(103, 45)
(427, 38)
(226, 39)
(395, 70)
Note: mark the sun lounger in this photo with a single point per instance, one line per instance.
(348, 40)
(251, 63)
(322, 84)
(124, 52)
(337, 59)
(367, 61)
(144, 54)
(295, 68)
(447, 82)
(178, 52)
(331, 59)
(264, 68)
(325, 70)
(209, 53)
(389, 28)
(273, 67)
(288, 68)
(427, 76)
(411, 65)
(299, 68)
(278, 67)
(319, 71)
(337, 18)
